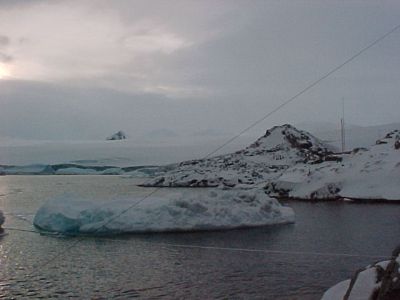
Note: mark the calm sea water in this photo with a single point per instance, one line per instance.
(161, 266)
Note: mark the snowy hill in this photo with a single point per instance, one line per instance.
(295, 164)
(280, 148)
(372, 173)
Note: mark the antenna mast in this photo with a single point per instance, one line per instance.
(342, 130)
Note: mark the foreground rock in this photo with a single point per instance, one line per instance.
(379, 281)
(2, 219)
(204, 210)
(279, 149)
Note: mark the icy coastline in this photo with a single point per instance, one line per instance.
(209, 210)
(286, 162)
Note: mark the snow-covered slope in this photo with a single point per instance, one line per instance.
(207, 210)
(280, 148)
(372, 173)
(295, 164)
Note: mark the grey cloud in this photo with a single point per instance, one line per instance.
(5, 58)
(4, 40)
(247, 57)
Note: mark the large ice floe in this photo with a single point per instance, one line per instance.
(379, 281)
(207, 210)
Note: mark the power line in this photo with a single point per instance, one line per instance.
(310, 86)
(269, 251)
(279, 107)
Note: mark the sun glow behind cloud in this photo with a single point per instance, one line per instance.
(4, 71)
(65, 43)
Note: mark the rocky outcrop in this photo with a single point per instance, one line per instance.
(379, 281)
(267, 158)
(120, 135)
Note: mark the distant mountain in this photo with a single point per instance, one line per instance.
(315, 127)
(209, 133)
(161, 133)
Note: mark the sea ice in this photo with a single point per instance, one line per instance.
(206, 210)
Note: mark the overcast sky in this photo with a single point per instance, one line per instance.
(84, 69)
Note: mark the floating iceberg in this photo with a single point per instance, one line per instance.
(206, 210)
(120, 135)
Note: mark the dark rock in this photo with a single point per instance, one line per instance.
(388, 280)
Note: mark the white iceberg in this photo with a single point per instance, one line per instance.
(120, 135)
(207, 210)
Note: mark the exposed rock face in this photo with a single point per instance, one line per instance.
(379, 281)
(120, 135)
(280, 148)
